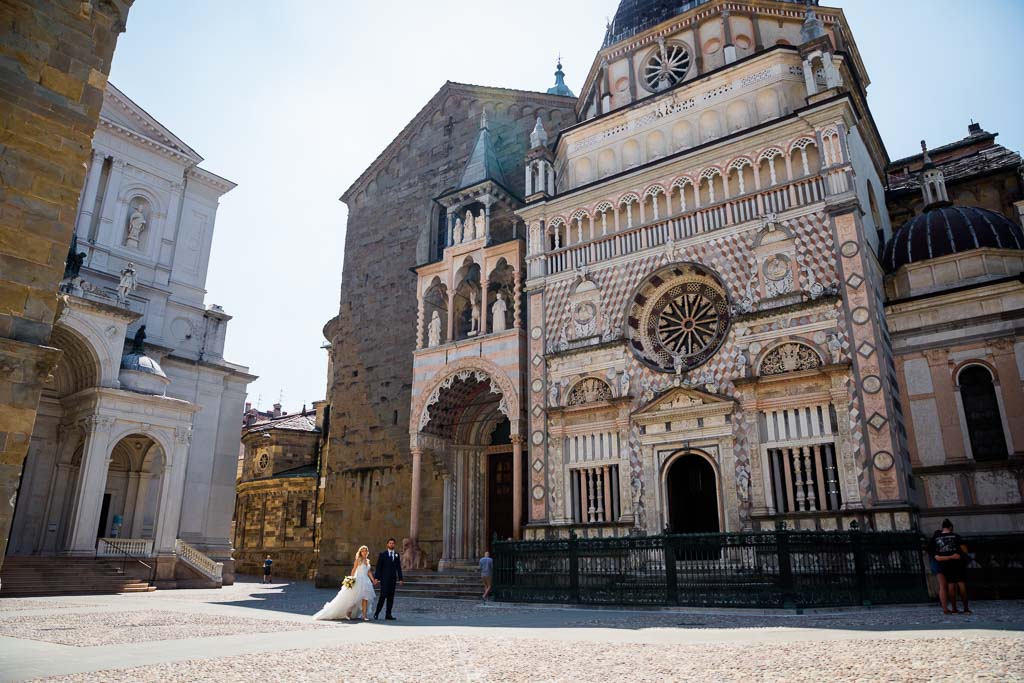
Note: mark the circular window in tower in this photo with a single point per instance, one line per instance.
(678, 318)
(665, 66)
(264, 461)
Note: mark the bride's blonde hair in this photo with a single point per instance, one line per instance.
(360, 552)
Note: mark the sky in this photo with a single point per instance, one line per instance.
(294, 100)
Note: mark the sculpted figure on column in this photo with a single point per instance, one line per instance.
(498, 309)
(457, 237)
(127, 284)
(470, 226)
(434, 331)
(474, 312)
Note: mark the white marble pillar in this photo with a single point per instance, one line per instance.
(517, 486)
(130, 500)
(550, 179)
(172, 491)
(139, 512)
(108, 233)
(92, 480)
(87, 203)
(529, 179)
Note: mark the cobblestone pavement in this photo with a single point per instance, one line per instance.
(252, 631)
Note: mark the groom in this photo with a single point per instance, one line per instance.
(388, 572)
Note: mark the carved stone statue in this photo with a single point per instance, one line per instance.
(434, 330)
(470, 226)
(457, 237)
(553, 395)
(127, 284)
(835, 348)
(743, 483)
(136, 224)
(498, 309)
(677, 365)
(481, 225)
(624, 384)
(474, 312)
(139, 340)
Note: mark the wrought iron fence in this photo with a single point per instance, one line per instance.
(757, 569)
(995, 565)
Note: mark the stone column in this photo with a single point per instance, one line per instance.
(550, 173)
(139, 514)
(487, 219)
(172, 491)
(92, 480)
(529, 178)
(131, 500)
(108, 232)
(414, 502)
(517, 487)
(87, 203)
(1009, 391)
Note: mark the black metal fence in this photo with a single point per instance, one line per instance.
(995, 565)
(757, 569)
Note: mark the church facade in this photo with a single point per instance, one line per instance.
(136, 441)
(673, 309)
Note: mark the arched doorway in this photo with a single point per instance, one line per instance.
(982, 414)
(131, 495)
(468, 428)
(692, 491)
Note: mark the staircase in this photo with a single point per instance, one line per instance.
(22, 576)
(451, 585)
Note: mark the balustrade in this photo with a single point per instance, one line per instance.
(198, 560)
(802, 192)
(121, 547)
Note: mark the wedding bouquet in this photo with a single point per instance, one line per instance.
(349, 582)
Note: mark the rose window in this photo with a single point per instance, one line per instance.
(264, 461)
(666, 66)
(678, 319)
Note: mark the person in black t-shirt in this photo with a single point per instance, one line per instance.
(949, 552)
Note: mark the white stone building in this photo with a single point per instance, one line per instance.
(138, 441)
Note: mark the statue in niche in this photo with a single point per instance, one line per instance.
(139, 340)
(498, 309)
(743, 483)
(553, 395)
(474, 313)
(434, 330)
(127, 284)
(835, 348)
(624, 384)
(457, 237)
(481, 225)
(470, 226)
(136, 224)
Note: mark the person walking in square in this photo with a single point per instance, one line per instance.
(486, 572)
(268, 570)
(389, 574)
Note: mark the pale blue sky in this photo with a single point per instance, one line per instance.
(292, 100)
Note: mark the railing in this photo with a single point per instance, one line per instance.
(757, 569)
(199, 561)
(630, 240)
(129, 550)
(117, 547)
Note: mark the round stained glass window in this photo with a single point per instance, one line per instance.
(264, 461)
(678, 319)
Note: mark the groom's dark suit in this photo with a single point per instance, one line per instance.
(389, 572)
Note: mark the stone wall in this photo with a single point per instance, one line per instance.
(56, 55)
(268, 523)
(391, 228)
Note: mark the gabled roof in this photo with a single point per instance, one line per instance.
(683, 397)
(434, 104)
(120, 112)
(977, 154)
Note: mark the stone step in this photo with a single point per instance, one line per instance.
(22, 576)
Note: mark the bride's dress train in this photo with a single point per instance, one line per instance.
(349, 599)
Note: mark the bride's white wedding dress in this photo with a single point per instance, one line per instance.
(350, 599)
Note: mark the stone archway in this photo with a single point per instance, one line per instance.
(468, 422)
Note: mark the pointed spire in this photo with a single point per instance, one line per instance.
(483, 162)
(813, 26)
(539, 136)
(560, 88)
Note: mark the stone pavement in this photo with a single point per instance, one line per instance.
(254, 632)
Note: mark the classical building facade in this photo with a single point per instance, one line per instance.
(670, 311)
(276, 494)
(137, 435)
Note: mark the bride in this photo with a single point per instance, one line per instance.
(360, 594)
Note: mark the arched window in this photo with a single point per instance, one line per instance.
(981, 412)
